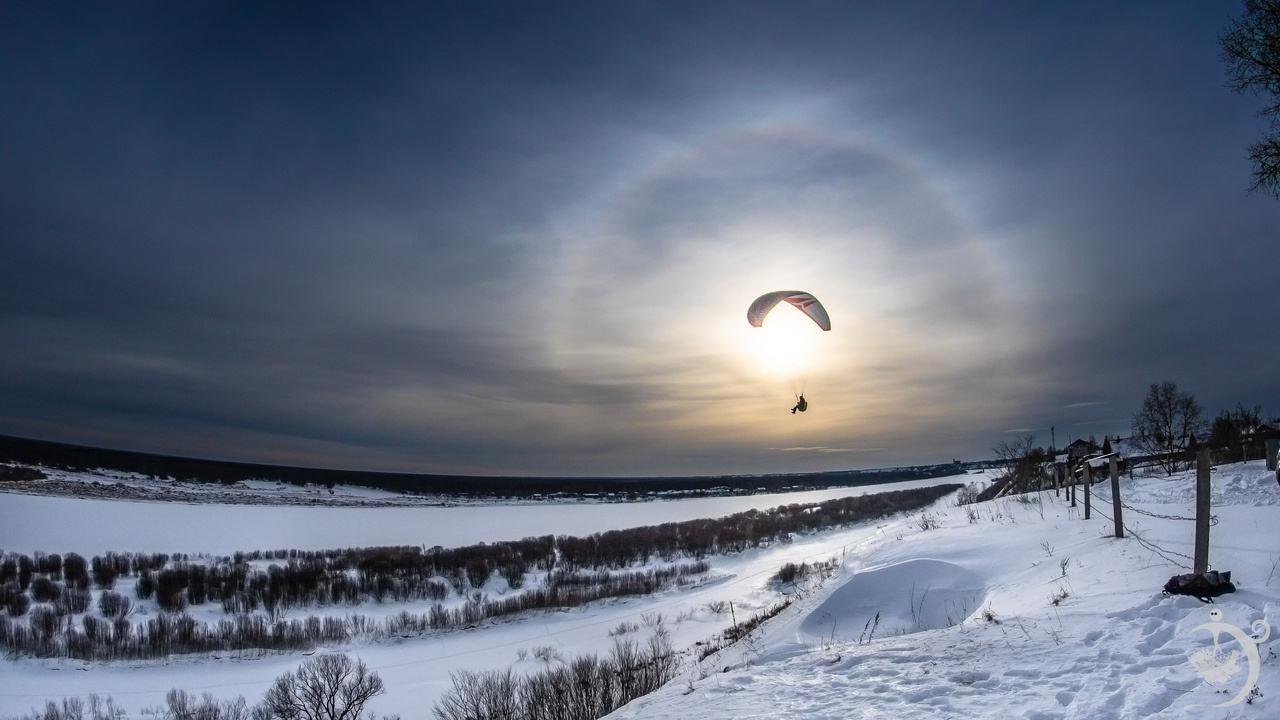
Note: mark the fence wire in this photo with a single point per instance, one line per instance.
(1162, 552)
(1213, 519)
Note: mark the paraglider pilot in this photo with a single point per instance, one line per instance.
(801, 405)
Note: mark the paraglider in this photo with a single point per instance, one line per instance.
(800, 300)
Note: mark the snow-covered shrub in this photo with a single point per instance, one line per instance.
(478, 572)
(513, 573)
(44, 590)
(74, 601)
(48, 564)
(623, 628)
(44, 623)
(9, 590)
(968, 494)
(113, 605)
(76, 709)
(104, 573)
(26, 568)
(435, 591)
(182, 705)
(18, 603)
(170, 586)
(75, 571)
(790, 572)
(146, 585)
(546, 653)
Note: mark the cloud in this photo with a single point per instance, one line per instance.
(412, 239)
(821, 449)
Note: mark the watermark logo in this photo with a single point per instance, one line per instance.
(1217, 667)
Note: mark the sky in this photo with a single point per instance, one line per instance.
(520, 238)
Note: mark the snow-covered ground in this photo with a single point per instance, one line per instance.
(968, 623)
(1111, 647)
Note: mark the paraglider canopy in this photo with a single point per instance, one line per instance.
(805, 303)
(802, 301)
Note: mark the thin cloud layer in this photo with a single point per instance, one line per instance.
(490, 239)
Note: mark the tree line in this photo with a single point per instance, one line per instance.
(50, 633)
(354, 575)
(585, 688)
(1167, 431)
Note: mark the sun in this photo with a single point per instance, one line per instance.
(787, 345)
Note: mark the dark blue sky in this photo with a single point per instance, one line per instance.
(522, 237)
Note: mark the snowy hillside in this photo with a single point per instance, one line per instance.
(1015, 615)
(1000, 609)
(415, 666)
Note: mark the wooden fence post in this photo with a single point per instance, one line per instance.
(1203, 496)
(1088, 480)
(1115, 496)
(1071, 477)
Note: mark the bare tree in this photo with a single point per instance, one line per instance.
(1022, 461)
(1251, 50)
(494, 695)
(325, 687)
(1167, 424)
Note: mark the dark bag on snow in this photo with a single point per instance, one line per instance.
(1205, 587)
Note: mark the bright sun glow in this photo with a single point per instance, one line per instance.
(787, 345)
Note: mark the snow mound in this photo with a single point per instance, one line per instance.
(909, 597)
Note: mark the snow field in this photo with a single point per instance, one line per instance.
(1111, 647)
(1022, 611)
(416, 669)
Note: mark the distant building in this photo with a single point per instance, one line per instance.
(1078, 450)
(1261, 433)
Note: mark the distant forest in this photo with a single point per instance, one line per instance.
(75, 457)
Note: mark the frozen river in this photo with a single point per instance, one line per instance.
(91, 527)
